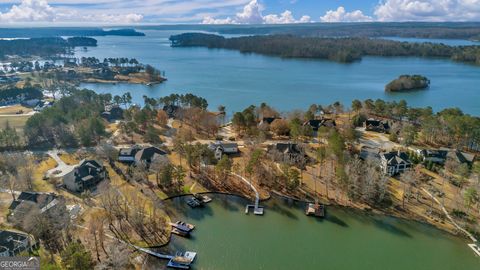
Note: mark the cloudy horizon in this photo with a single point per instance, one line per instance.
(121, 12)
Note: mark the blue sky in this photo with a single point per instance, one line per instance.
(317, 8)
(83, 12)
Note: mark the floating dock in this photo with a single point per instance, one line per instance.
(475, 248)
(257, 210)
(315, 209)
(186, 227)
(182, 261)
(194, 202)
(180, 232)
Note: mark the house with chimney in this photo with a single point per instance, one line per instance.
(395, 162)
(376, 125)
(85, 176)
(13, 243)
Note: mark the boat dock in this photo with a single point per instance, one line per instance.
(182, 261)
(183, 226)
(315, 209)
(202, 198)
(257, 210)
(194, 202)
(475, 248)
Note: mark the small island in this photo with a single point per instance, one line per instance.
(408, 82)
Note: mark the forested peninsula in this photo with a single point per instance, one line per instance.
(345, 50)
(43, 47)
(65, 31)
(440, 30)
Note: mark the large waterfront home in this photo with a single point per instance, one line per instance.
(85, 176)
(435, 156)
(12, 243)
(220, 148)
(376, 125)
(290, 153)
(112, 113)
(395, 162)
(27, 200)
(461, 157)
(171, 110)
(268, 120)
(315, 124)
(148, 154)
(127, 155)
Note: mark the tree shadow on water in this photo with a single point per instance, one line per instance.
(282, 210)
(386, 226)
(229, 204)
(335, 220)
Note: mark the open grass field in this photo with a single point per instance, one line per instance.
(15, 121)
(14, 109)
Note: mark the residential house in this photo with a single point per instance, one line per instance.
(127, 155)
(461, 157)
(290, 153)
(268, 120)
(395, 162)
(376, 125)
(435, 156)
(171, 110)
(220, 148)
(148, 154)
(315, 124)
(112, 113)
(26, 200)
(42, 105)
(12, 243)
(85, 176)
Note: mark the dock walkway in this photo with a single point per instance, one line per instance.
(474, 246)
(257, 210)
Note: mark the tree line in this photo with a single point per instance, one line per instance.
(43, 47)
(449, 127)
(344, 50)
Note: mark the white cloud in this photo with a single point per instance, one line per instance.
(252, 14)
(285, 17)
(29, 11)
(211, 20)
(428, 10)
(341, 15)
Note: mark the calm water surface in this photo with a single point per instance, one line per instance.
(226, 238)
(238, 80)
(450, 42)
(284, 238)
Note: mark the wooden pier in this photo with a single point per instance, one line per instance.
(475, 248)
(257, 210)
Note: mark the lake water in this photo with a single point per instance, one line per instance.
(284, 238)
(238, 80)
(450, 42)
(225, 238)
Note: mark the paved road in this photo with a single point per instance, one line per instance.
(62, 168)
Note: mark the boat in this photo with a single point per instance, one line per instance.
(182, 261)
(186, 227)
(315, 209)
